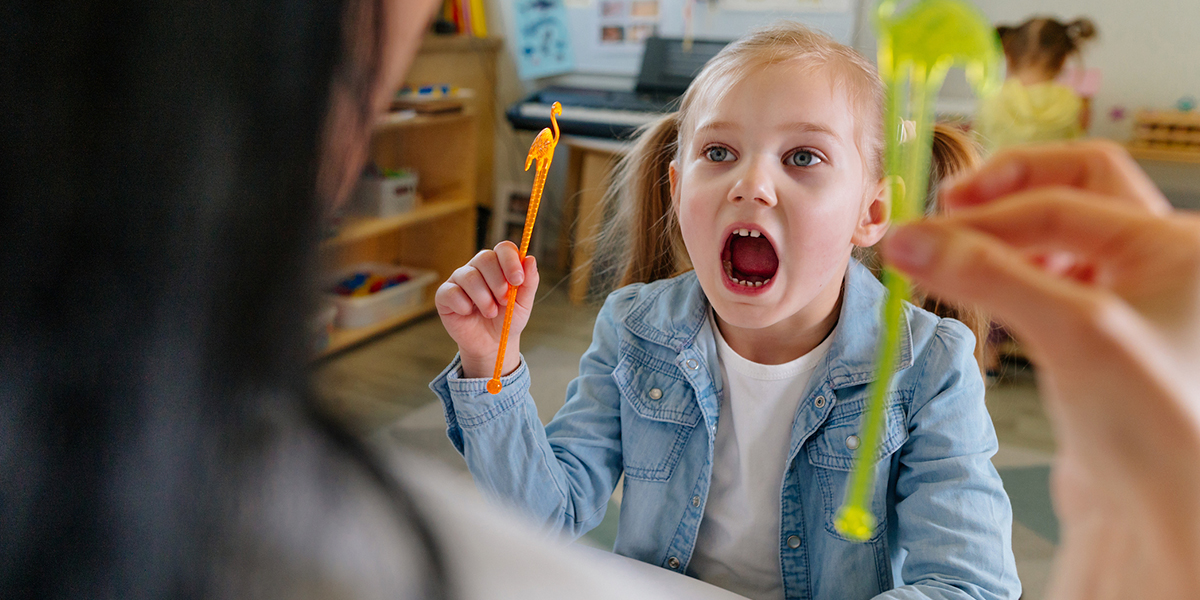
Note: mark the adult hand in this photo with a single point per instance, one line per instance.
(1114, 330)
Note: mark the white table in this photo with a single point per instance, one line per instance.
(647, 575)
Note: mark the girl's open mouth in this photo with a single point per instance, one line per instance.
(748, 260)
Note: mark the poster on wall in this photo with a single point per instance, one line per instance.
(794, 6)
(543, 47)
(623, 25)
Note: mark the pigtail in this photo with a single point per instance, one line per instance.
(644, 233)
(955, 153)
(1005, 33)
(1081, 30)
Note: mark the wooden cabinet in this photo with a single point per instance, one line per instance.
(466, 62)
(453, 157)
(438, 234)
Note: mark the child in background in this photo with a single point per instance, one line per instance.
(726, 380)
(1032, 106)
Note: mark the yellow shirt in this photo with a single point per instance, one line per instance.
(1035, 113)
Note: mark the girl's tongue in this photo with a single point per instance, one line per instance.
(752, 257)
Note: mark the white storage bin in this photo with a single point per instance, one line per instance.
(378, 196)
(320, 328)
(361, 311)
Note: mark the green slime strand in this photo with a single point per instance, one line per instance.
(917, 48)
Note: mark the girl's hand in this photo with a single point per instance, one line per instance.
(472, 302)
(1113, 325)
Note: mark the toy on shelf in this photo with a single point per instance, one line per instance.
(364, 283)
(917, 47)
(431, 99)
(1167, 130)
(368, 293)
(384, 192)
(542, 150)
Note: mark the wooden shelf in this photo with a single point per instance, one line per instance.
(356, 229)
(458, 43)
(1178, 156)
(345, 338)
(398, 119)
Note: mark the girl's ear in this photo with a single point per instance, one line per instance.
(875, 216)
(673, 176)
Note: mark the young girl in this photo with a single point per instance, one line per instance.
(1032, 106)
(727, 379)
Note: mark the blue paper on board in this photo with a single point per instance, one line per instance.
(542, 46)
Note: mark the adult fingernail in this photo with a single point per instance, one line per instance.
(910, 247)
(1002, 180)
(954, 185)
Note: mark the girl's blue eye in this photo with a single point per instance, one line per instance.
(718, 154)
(801, 158)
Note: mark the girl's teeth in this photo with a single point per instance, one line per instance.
(754, 233)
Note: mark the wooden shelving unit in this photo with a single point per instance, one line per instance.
(1166, 136)
(1164, 155)
(345, 338)
(358, 229)
(439, 234)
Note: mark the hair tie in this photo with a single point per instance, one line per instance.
(908, 130)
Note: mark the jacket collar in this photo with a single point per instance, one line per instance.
(672, 312)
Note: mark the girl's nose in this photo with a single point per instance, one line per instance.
(754, 183)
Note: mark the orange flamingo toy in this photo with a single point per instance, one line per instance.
(541, 150)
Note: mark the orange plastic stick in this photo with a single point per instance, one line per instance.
(542, 150)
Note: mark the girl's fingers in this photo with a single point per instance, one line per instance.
(1097, 166)
(471, 281)
(451, 299)
(510, 262)
(488, 265)
(528, 291)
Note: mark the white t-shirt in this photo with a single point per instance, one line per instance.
(737, 547)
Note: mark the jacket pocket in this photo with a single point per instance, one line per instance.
(832, 449)
(658, 415)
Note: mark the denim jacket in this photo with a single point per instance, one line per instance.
(646, 404)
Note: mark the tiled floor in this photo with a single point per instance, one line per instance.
(380, 389)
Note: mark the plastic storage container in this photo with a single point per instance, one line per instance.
(320, 329)
(360, 311)
(379, 196)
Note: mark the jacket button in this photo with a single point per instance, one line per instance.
(655, 394)
(673, 562)
(793, 541)
(695, 500)
(820, 402)
(852, 442)
(692, 364)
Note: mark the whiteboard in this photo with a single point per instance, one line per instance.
(712, 19)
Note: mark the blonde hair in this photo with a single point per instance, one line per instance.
(644, 235)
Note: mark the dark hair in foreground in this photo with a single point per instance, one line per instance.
(158, 219)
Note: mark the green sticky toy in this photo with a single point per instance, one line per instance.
(917, 47)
